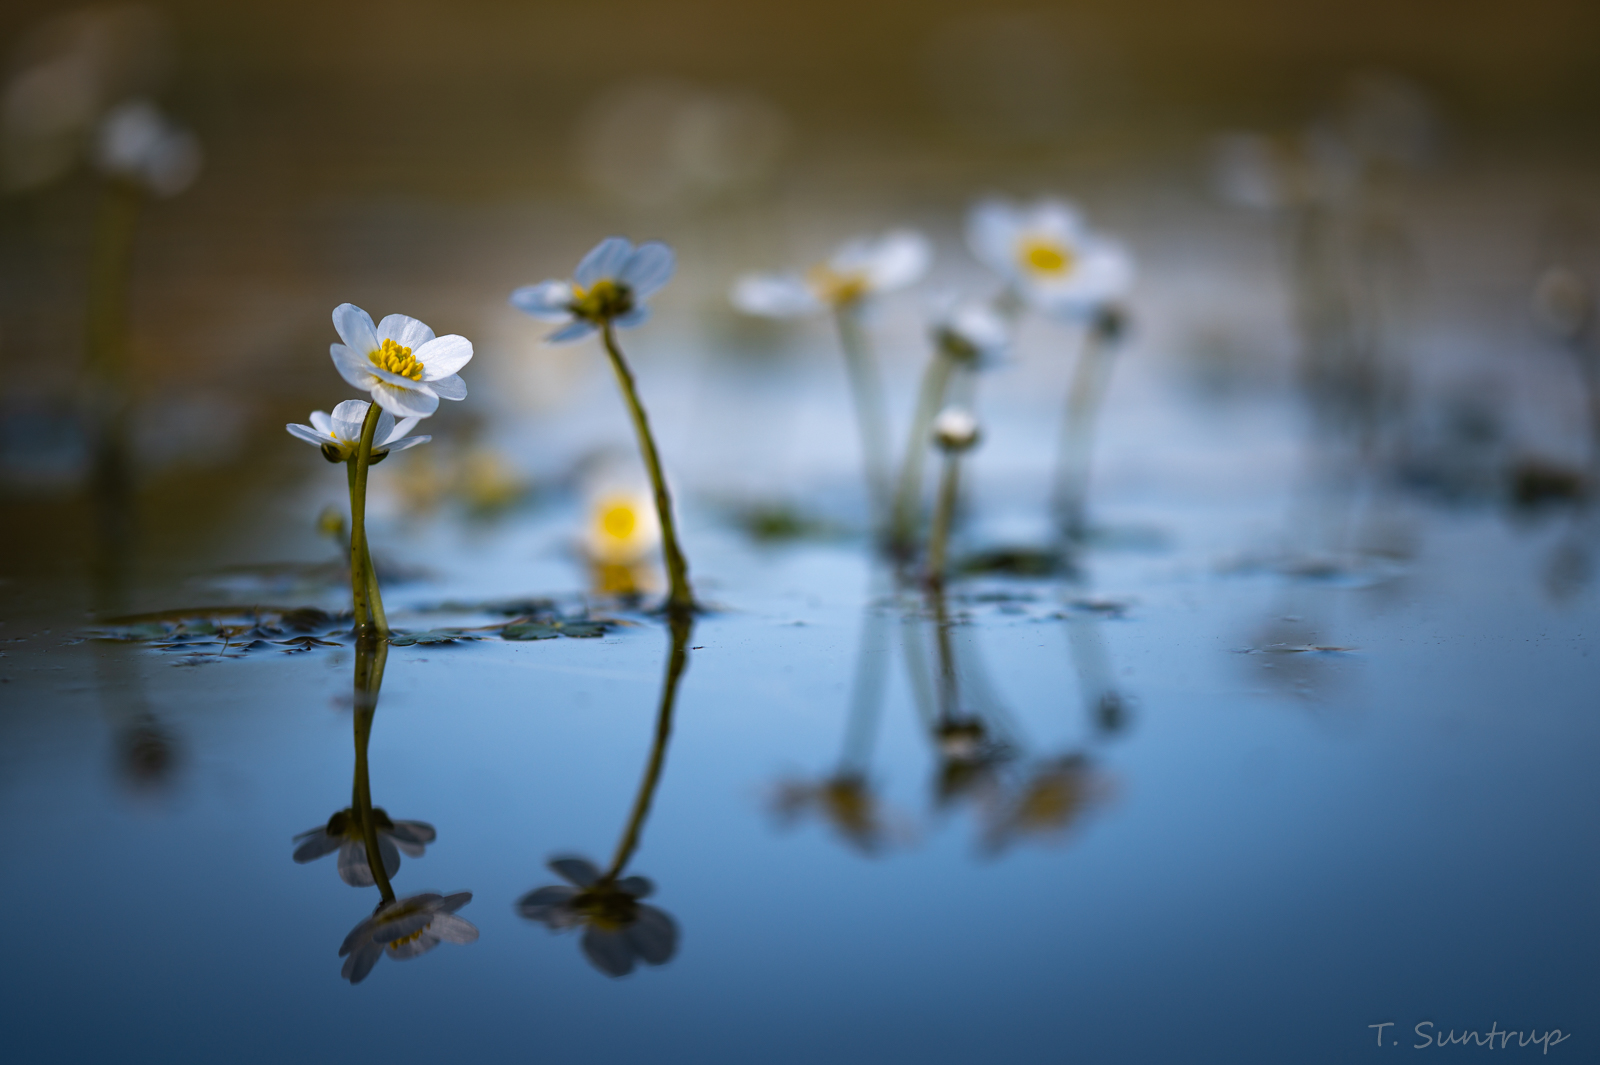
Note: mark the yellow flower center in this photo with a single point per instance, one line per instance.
(1044, 256)
(601, 301)
(397, 360)
(395, 944)
(619, 521)
(837, 288)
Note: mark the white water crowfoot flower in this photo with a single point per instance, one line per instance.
(857, 270)
(610, 285)
(139, 144)
(619, 930)
(407, 369)
(1048, 256)
(339, 434)
(972, 333)
(342, 833)
(406, 928)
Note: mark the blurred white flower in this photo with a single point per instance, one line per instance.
(619, 930)
(342, 833)
(407, 369)
(955, 429)
(1047, 253)
(623, 527)
(140, 144)
(972, 332)
(609, 286)
(859, 269)
(339, 434)
(406, 928)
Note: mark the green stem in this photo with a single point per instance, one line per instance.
(364, 592)
(371, 653)
(908, 494)
(868, 393)
(677, 660)
(943, 514)
(680, 597)
(1084, 396)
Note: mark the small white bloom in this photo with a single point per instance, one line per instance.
(955, 429)
(139, 143)
(859, 269)
(339, 434)
(1055, 261)
(623, 527)
(406, 928)
(610, 285)
(972, 332)
(407, 369)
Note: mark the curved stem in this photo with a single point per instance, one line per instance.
(364, 592)
(680, 597)
(868, 393)
(908, 493)
(943, 515)
(677, 660)
(371, 653)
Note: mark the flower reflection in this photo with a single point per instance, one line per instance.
(1048, 804)
(847, 801)
(619, 930)
(1048, 256)
(343, 833)
(405, 928)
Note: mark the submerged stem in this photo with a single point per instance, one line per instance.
(371, 653)
(677, 660)
(680, 597)
(908, 493)
(364, 591)
(868, 393)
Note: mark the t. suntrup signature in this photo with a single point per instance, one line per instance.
(1429, 1035)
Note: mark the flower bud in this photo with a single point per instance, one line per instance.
(955, 430)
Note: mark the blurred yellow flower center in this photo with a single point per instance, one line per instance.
(395, 944)
(601, 301)
(836, 288)
(1044, 256)
(619, 521)
(397, 360)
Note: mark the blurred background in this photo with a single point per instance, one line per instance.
(429, 157)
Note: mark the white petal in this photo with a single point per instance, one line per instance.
(356, 369)
(351, 410)
(547, 301)
(385, 427)
(774, 296)
(405, 331)
(321, 422)
(992, 227)
(443, 356)
(899, 259)
(355, 328)
(452, 387)
(1055, 218)
(577, 330)
(605, 259)
(406, 402)
(637, 316)
(453, 929)
(406, 442)
(308, 434)
(401, 429)
(648, 268)
(389, 377)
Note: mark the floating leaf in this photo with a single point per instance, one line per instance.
(431, 637)
(531, 630)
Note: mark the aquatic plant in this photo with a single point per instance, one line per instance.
(345, 833)
(606, 293)
(405, 928)
(955, 431)
(844, 285)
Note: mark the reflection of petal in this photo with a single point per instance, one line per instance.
(316, 843)
(639, 887)
(390, 854)
(360, 963)
(654, 936)
(610, 952)
(353, 867)
(453, 929)
(579, 871)
(412, 948)
(549, 905)
(417, 832)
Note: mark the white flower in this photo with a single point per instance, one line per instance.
(859, 269)
(623, 527)
(139, 143)
(407, 369)
(406, 928)
(342, 833)
(972, 332)
(338, 434)
(609, 286)
(1055, 262)
(955, 429)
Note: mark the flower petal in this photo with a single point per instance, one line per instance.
(577, 330)
(355, 369)
(360, 963)
(653, 936)
(451, 903)
(610, 952)
(548, 301)
(308, 434)
(604, 260)
(353, 867)
(321, 422)
(579, 871)
(899, 258)
(639, 887)
(405, 331)
(548, 904)
(992, 227)
(452, 387)
(419, 832)
(401, 428)
(648, 268)
(317, 844)
(637, 316)
(355, 328)
(406, 402)
(453, 929)
(774, 296)
(402, 445)
(443, 356)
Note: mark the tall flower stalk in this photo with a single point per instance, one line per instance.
(1085, 396)
(608, 291)
(955, 432)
